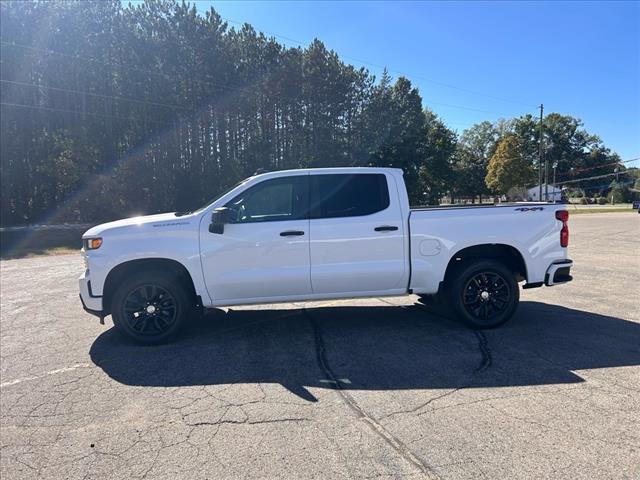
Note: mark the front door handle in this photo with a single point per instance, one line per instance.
(291, 233)
(386, 228)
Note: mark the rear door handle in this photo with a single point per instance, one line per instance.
(386, 228)
(291, 233)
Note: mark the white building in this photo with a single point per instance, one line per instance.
(555, 193)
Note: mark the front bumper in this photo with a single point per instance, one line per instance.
(558, 272)
(92, 304)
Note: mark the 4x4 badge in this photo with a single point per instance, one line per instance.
(529, 209)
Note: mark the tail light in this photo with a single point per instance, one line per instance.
(563, 216)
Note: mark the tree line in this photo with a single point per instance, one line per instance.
(110, 110)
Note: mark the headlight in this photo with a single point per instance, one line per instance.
(92, 243)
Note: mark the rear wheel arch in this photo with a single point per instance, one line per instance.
(507, 255)
(124, 270)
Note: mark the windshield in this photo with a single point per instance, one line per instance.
(217, 196)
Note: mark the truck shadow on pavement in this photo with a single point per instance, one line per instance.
(374, 348)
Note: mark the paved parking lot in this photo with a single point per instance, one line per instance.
(356, 389)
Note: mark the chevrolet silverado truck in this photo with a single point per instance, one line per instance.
(319, 234)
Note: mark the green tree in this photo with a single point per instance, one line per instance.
(577, 153)
(110, 108)
(508, 168)
(474, 149)
(436, 172)
(619, 193)
(403, 132)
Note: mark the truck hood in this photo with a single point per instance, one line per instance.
(148, 221)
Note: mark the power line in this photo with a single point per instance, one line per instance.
(372, 64)
(78, 112)
(68, 90)
(121, 65)
(465, 126)
(607, 185)
(594, 178)
(586, 169)
(52, 109)
(37, 107)
(202, 82)
(431, 102)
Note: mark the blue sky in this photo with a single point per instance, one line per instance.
(578, 58)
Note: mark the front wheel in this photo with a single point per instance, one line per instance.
(150, 307)
(484, 293)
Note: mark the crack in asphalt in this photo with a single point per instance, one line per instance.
(248, 422)
(423, 405)
(485, 363)
(487, 399)
(376, 427)
(483, 345)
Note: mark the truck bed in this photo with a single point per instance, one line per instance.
(477, 205)
(439, 233)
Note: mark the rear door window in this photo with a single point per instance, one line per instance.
(348, 195)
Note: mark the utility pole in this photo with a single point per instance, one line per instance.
(540, 157)
(611, 193)
(546, 173)
(546, 180)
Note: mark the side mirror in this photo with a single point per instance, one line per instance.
(219, 217)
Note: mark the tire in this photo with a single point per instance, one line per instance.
(483, 293)
(151, 307)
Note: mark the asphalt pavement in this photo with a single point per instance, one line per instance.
(344, 389)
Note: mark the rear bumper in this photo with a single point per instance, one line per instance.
(91, 304)
(558, 272)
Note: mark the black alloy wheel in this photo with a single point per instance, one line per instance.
(486, 296)
(151, 306)
(483, 293)
(150, 310)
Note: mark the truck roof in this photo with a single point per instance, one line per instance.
(334, 170)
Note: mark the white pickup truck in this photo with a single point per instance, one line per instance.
(319, 234)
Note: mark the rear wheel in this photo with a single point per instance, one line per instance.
(150, 307)
(484, 293)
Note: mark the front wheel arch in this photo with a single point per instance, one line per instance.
(126, 269)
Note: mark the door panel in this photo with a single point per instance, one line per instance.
(348, 254)
(264, 252)
(250, 261)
